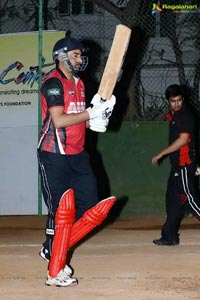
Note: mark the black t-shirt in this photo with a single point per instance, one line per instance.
(182, 121)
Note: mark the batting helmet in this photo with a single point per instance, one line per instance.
(66, 45)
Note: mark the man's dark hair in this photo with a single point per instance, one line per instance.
(173, 91)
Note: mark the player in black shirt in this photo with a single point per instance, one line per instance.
(180, 194)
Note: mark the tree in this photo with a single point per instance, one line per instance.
(136, 14)
(181, 34)
(130, 13)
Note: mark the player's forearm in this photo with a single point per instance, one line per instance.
(176, 145)
(66, 120)
(87, 124)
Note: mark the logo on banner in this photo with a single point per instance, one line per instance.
(29, 78)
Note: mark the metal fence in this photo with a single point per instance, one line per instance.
(164, 46)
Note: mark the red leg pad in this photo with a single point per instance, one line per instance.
(65, 217)
(91, 219)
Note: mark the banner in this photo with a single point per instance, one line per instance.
(19, 118)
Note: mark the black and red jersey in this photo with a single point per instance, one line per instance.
(57, 90)
(182, 121)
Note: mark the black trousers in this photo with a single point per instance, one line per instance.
(58, 174)
(181, 197)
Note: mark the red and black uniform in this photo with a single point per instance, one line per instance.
(58, 91)
(180, 194)
(63, 163)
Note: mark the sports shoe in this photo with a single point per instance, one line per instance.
(44, 253)
(63, 279)
(162, 242)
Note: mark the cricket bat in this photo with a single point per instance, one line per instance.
(115, 61)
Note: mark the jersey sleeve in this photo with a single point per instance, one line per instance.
(53, 92)
(187, 123)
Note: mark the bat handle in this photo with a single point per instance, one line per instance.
(102, 100)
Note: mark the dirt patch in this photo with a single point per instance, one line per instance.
(119, 262)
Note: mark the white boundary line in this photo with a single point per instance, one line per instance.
(118, 245)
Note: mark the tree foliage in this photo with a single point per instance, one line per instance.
(182, 34)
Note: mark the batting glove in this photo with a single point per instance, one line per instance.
(102, 110)
(96, 100)
(98, 125)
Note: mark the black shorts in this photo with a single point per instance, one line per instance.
(61, 172)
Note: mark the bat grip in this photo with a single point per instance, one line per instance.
(102, 100)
